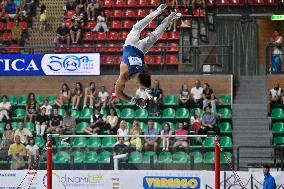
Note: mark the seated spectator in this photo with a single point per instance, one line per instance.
(112, 121)
(92, 9)
(275, 96)
(32, 108)
(17, 153)
(71, 5)
(76, 99)
(198, 4)
(17, 32)
(23, 133)
(33, 154)
(209, 122)
(55, 122)
(3, 14)
(155, 104)
(63, 35)
(197, 93)
(5, 109)
(78, 17)
(122, 131)
(64, 95)
(153, 140)
(181, 140)
(69, 123)
(42, 18)
(209, 97)
(11, 9)
(184, 97)
(75, 32)
(97, 124)
(31, 8)
(90, 94)
(81, 6)
(136, 130)
(41, 122)
(101, 23)
(196, 121)
(103, 98)
(47, 107)
(114, 99)
(166, 139)
(7, 140)
(120, 152)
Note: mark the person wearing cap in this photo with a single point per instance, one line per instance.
(269, 181)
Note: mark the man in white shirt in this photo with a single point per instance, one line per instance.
(47, 107)
(275, 96)
(103, 98)
(5, 108)
(24, 133)
(197, 93)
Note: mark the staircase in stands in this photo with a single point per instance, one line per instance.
(251, 125)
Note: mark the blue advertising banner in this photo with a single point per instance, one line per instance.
(49, 64)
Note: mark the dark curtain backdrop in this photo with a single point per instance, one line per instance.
(242, 35)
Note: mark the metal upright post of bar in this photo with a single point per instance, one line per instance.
(49, 162)
(217, 163)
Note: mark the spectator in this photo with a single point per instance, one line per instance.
(166, 139)
(41, 122)
(71, 5)
(198, 4)
(156, 103)
(81, 6)
(55, 122)
(78, 17)
(76, 99)
(23, 133)
(5, 109)
(17, 152)
(275, 96)
(17, 32)
(209, 97)
(42, 18)
(151, 140)
(277, 41)
(112, 121)
(136, 130)
(101, 23)
(181, 140)
(122, 131)
(75, 32)
(11, 9)
(209, 122)
(90, 94)
(3, 13)
(69, 123)
(197, 93)
(120, 152)
(47, 107)
(7, 140)
(114, 99)
(62, 35)
(31, 7)
(92, 9)
(33, 154)
(32, 108)
(269, 181)
(173, 25)
(196, 121)
(141, 93)
(103, 98)
(64, 95)
(184, 97)
(97, 124)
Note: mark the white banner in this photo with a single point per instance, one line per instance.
(130, 179)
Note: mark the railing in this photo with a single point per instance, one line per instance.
(277, 55)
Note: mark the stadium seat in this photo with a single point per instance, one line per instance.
(208, 158)
(147, 157)
(107, 3)
(108, 13)
(51, 100)
(278, 128)
(141, 13)
(170, 101)
(127, 114)
(13, 100)
(19, 115)
(117, 13)
(113, 36)
(68, 24)
(225, 128)
(197, 157)
(226, 142)
(158, 60)
(172, 59)
(39, 141)
(14, 126)
(87, 48)
(108, 142)
(173, 35)
(182, 113)
(209, 143)
(86, 114)
(128, 13)
(131, 3)
(94, 142)
(224, 101)
(141, 114)
(69, 14)
(277, 114)
(223, 159)
(80, 142)
(173, 47)
(143, 126)
(100, 36)
(169, 113)
(154, 3)
(157, 126)
(6, 37)
(109, 60)
(225, 113)
(13, 49)
(180, 158)
(148, 59)
(104, 157)
(2, 26)
(30, 126)
(22, 101)
(172, 125)
(279, 141)
(2, 127)
(61, 157)
(100, 47)
(90, 25)
(91, 157)
(39, 100)
(112, 48)
(115, 24)
(10, 25)
(123, 35)
(127, 24)
(118, 59)
(78, 157)
(158, 47)
(119, 3)
(89, 36)
(152, 25)
(60, 145)
(165, 157)
(135, 157)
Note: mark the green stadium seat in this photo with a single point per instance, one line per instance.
(78, 157)
(157, 126)
(141, 114)
(180, 157)
(59, 144)
(172, 125)
(61, 112)
(108, 142)
(193, 110)
(128, 125)
(19, 115)
(104, 112)
(225, 128)
(277, 105)
(278, 128)
(22, 101)
(39, 141)
(117, 111)
(80, 142)
(209, 142)
(147, 157)
(224, 101)
(143, 126)
(170, 101)
(104, 157)
(169, 113)
(223, 159)
(2, 127)
(154, 117)
(196, 143)
(75, 114)
(0, 98)
(61, 157)
(86, 114)
(51, 100)
(165, 157)
(127, 114)
(94, 142)
(226, 142)
(14, 126)
(225, 113)
(81, 126)
(135, 157)
(197, 157)
(91, 157)
(279, 141)
(208, 158)
(30, 126)
(182, 113)
(39, 99)
(277, 114)
(13, 100)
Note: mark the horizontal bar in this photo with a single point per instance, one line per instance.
(95, 136)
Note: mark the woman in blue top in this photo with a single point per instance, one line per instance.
(134, 50)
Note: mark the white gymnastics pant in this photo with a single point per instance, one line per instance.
(145, 44)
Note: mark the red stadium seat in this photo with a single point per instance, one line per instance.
(100, 36)
(118, 59)
(89, 36)
(60, 49)
(87, 48)
(90, 25)
(119, 3)
(123, 35)
(117, 13)
(9, 25)
(141, 13)
(152, 25)
(113, 36)
(115, 24)
(199, 12)
(69, 24)
(128, 13)
(109, 60)
(107, 3)
(173, 35)
(74, 49)
(173, 47)
(142, 3)
(112, 48)
(6, 36)
(23, 25)
(108, 13)
(158, 47)
(154, 3)
(131, 3)
(13, 49)
(158, 60)
(171, 59)
(164, 36)
(69, 14)
(2, 25)
(148, 59)
(127, 24)
(100, 47)
(120, 47)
